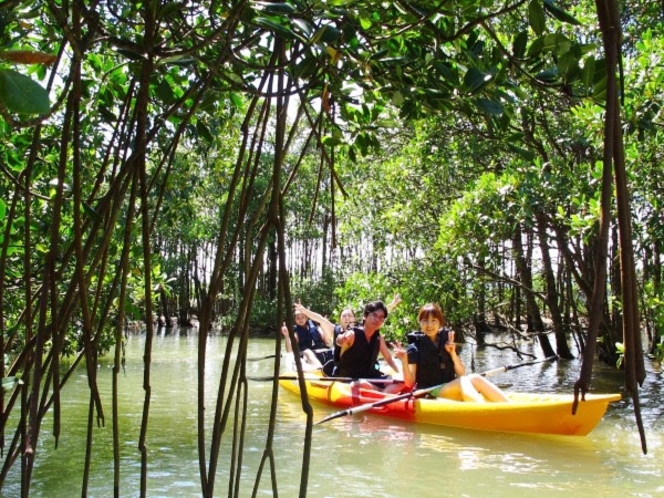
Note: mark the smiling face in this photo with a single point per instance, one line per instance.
(347, 318)
(431, 319)
(301, 319)
(430, 325)
(374, 320)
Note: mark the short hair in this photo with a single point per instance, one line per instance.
(375, 306)
(431, 310)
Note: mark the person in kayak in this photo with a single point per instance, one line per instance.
(431, 359)
(346, 321)
(357, 348)
(314, 340)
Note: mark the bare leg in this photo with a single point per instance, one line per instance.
(488, 389)
(473, 387)
(310, 361)
(452, 390)
(461, 389)
(393, 388)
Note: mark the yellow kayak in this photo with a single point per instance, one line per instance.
(525, 413)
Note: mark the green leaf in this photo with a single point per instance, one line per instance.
(556, 43)
(204, 132)
(548, 76)
(588, 72)
(303, 26)
(275, 26)
(599, 91)
(275, 8)
(335, 139)
(446, 71)
(131, 55)
(165, 92)
(475, 79)
(326, 34)
(526, 154)
(91, 212)
(169, 10)
(236, 99)
(179, 60)
(106, 114)
(568, 66)
(352, 155)
(560, 14)
(397, 98)
(21, 95)
(536, 17)
(489, 107)
(520, 43)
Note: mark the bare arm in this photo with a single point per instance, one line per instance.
(409, 371)
(345, 341)
(326, 326)
(396, 301)
(284, 332)
(450, 347)
(387, 355)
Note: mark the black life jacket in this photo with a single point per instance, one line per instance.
(434, 363)
(309, 337)
(338, 330)
(361, 359)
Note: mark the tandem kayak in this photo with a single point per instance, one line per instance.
(527, 413)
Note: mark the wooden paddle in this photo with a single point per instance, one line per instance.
(282, 355)
(421, 392)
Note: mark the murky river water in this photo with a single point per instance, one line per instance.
(359, 456)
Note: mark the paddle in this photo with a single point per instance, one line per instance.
(420, 392)
(498, 370)
(328, 379)
(283, 355)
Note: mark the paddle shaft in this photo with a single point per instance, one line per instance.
(378, 404)
(499, 370)
(283, 355)
(329, 379)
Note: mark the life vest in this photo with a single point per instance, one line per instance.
(434, 363)
(338, 330)
(309, 337)
(361, 359)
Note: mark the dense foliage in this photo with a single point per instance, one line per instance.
(223, 158)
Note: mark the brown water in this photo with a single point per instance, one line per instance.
(359, 456)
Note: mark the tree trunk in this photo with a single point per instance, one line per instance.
(552, 298)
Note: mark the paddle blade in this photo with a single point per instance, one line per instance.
(333, 416)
